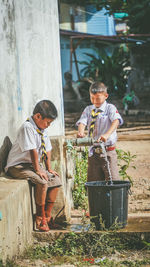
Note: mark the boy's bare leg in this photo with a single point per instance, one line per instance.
(50, 200)
(40, 197)
(26, 171)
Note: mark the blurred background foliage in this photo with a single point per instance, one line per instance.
(112, 69)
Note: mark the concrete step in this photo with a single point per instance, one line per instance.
(138, 225)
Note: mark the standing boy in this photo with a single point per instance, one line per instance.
(31, 149)
(102, 120)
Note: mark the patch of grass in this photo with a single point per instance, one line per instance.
(79, 191)
(9, 263)
(136, 263)
(85, 249)
(87, 244)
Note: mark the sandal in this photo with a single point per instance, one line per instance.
(87, 214)
(41, 224)
(37, 222)
(53, 225)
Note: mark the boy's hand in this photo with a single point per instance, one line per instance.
(53, 172)
(42, 174)
(36, 166)
(80, 135)
(103, 138)
(81, 129)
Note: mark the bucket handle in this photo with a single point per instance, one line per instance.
(129, 191)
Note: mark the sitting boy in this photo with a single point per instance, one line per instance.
(102, 120)
(31, 149)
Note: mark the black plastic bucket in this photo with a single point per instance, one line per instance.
(108, 202)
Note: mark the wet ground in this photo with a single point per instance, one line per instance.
(137, 223)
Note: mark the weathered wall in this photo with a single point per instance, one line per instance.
(16, 224)
(30, 62)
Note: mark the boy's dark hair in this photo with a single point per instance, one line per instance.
(98, 87)
(46, 108)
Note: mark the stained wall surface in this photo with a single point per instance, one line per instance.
(30, 62)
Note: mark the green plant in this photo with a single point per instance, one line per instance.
(124, 161)
(82, 249)
(79, 190)
(147, 244)
(9, 263)
(138, 13)
(86, 244)
(112, 69)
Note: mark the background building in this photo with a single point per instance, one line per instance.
(85, 20)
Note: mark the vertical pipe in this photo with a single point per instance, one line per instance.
(71, 51)
(76, 63)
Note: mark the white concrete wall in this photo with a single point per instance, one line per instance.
(16, 224)
(30, 62)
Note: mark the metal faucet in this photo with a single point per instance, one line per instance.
(85, 141)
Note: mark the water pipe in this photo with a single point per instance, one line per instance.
(88, 141)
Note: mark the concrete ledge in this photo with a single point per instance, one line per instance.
(137, 226)
(16, 223)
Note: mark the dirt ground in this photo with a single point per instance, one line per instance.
(139, 200)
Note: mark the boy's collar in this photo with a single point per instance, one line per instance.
(102, 107)
(34, 124)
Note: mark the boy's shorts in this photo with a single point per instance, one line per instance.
(26, 171)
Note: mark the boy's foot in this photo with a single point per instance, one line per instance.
(41, 224)
(52, 225)
(87, 215)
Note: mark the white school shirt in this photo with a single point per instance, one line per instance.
(108, 113)
(27, 138)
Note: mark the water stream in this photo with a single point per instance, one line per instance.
(107, 162)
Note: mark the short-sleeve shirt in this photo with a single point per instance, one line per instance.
(27, 139)
(108, 113)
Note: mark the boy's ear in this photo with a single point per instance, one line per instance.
(106, 95)
(38, 116)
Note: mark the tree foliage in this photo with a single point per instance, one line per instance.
(112, 69)
(138, 13)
